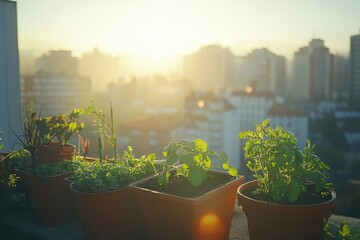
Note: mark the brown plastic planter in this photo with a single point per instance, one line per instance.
(54, 152)
(50, 198)
(106, 215)
(280, 221)
(165, 216)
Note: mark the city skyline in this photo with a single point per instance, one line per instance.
(159, 30)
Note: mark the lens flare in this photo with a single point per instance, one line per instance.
(210, 227)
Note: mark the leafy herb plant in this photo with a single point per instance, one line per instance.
(282, 169)
(52, 169)
(110, 175)
(36, 133)
(342, 232)
(105, 129)
(63, 126)
(195, 159)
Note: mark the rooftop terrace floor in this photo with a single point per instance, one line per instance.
(20, 225)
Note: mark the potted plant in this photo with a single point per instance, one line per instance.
(104, 204)
(49, 193)
(36, 133)
(62, 127)
(12, 189)
(188, 200)
(290, 197)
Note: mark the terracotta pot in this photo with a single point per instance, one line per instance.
(280, 221)
(165, 216)
(50, 198)
(54, 152)
(106, 215)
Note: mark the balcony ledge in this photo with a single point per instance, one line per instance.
(20, 226)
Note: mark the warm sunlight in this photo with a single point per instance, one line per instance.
(156, 31)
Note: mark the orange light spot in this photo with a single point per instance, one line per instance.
(201, 103)
(210, 225)
(249, 89)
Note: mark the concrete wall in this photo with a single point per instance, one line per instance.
(10, 100)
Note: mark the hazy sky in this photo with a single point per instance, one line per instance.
(161, 28)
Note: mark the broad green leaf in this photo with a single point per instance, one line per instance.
(72, 126)
(201, 144)
(196, 176)
(225, 166)
(232, 171)
(295, 191)
(172, 159)
(187, 159)
(222, 157)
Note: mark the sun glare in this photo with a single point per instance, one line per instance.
(210, 227)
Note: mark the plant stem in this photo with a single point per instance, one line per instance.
(113, 134)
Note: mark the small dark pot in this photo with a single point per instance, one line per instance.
(50, 198)
(165, 216)
(280, 221)
(54, 152)
(106, 215)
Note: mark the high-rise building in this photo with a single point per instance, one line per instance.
(102, 68)
(219, 117)
(262, 70)
(211, 67)
(10, 99)
(213, 119)
(340, 78)
(56, 63)
(312, 72)
(56, 87)
(355, 71)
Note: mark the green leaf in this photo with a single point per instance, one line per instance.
(201, 144)
(345, 230)
(232, 171)
(72, 126)
(188, 159)
(295, 191)
(165, 153)
(222, 157)
(172, 159)
(196, 176)
(164, 178)
(89, 110)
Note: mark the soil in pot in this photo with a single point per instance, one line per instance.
(180, 186)
(304, 198)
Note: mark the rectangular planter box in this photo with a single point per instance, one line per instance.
(165, 216)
